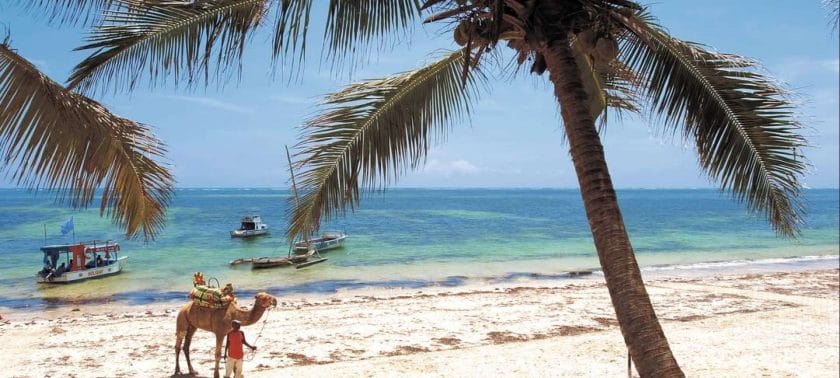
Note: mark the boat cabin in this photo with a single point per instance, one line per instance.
(251, 223)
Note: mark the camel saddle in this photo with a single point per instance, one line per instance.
(211, 297)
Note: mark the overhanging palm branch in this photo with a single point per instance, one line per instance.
(374, 130)
(179, 38)
(352, 24)
(744, 128)
(833, 7)
(69, 11)
(56, 139)
(160, 39)
(290, 30)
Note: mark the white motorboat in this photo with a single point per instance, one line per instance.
(251, 225)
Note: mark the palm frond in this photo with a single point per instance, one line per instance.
(290, 31)
(56, 139)
(833, 7)
(353, 24)
(69, 12)
(372, 131)
(742, 124)
(163, 39)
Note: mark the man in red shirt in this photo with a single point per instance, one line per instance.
(235, 340)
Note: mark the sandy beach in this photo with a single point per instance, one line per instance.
(774, 324)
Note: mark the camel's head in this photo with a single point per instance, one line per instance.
(265, 300)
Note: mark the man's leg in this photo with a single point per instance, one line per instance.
(237, 368)
(228, 366)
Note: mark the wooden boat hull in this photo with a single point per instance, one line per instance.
(80, 275)
(274, 262)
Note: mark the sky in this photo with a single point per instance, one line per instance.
(233, 135)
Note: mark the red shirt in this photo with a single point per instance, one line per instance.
(235, 344)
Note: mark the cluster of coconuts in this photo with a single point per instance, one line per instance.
(461, 33)
(466, 29)
(601, 47)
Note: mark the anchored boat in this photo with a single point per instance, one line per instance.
(251, 225)
(273, 262)
(65, 263)
(328, 240)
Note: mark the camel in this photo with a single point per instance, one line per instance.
(216, 320)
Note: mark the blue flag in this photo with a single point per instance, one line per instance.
(67, 226)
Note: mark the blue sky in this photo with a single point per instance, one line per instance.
(233, 136)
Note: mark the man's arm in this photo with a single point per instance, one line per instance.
(246, 342)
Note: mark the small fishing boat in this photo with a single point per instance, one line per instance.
(328, 240)
(66, 263)
(273, 262)
(251, 225)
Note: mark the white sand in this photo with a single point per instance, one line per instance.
(771, 324)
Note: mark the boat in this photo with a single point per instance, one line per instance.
(66, 263)
(309, 246)
(273, 262)
(328, 240)
(251, 225)
(302, 253)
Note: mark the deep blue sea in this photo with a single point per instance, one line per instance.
(400, 237)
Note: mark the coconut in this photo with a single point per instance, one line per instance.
(587, 39)
(523, 55)
(606, 50)
(461, 33)
(539, 65)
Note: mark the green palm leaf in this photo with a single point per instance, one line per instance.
(352, 24)
(70, 12)
(290, 30)
(57, 139)
(833, 7)
(743, 126)
(374, 130)
(161, 38)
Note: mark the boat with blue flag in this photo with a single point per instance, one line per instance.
(66, 263)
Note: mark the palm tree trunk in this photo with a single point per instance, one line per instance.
(636, 317)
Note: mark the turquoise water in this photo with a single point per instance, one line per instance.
(402, 237)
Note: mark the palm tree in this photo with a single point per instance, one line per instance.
(599, 54)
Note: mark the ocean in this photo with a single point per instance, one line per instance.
(399, 238)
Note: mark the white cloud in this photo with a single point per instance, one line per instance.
(214, 103)
(794, 68)
(295, 100)
(448, 168)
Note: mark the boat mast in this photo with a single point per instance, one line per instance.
(294, 190)
(292, 173)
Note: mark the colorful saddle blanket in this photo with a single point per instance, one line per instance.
(211, 297)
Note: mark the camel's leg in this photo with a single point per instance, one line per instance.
(187, 341)
(219, 339)
(179, 336)
(181, 326)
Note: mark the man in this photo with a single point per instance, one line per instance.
(235, 340)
